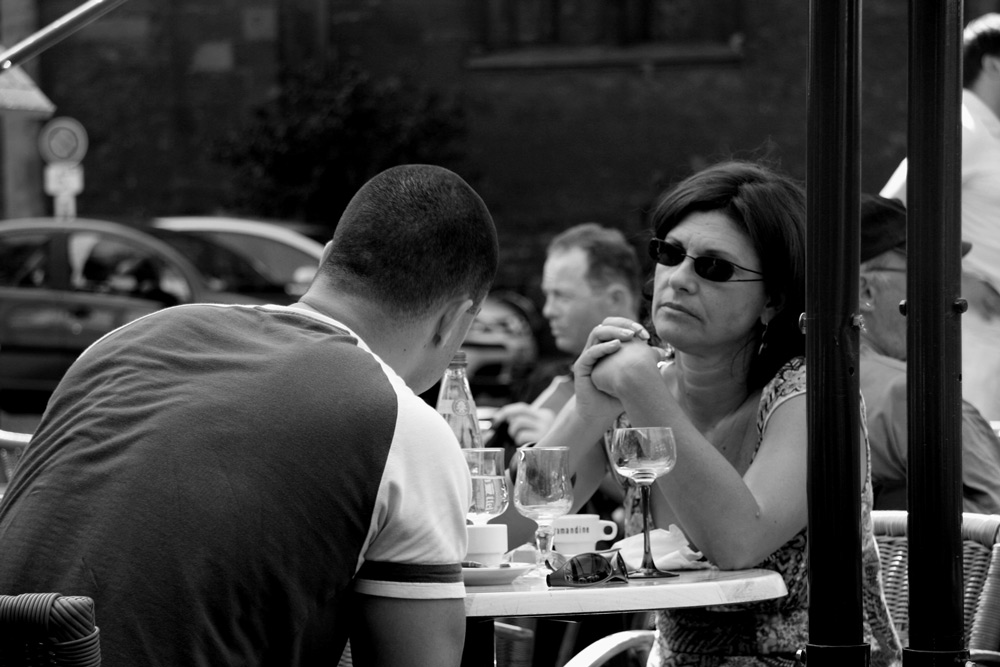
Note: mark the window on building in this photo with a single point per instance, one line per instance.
(607, 28)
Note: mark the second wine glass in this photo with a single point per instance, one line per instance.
(642, 455)
(543, 492)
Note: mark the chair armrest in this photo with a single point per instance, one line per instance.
(607, 647)
(978, 656)
(14, 440)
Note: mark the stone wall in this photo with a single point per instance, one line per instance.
(155, 83)
(552, 145)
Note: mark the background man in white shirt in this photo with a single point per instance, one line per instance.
(980, 213)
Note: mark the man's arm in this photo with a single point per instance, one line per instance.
(980, 463)
(525, 423)
(982, 297)
(398, 632)
(528, 423)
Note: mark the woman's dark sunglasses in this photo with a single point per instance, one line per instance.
(590, 569)
(710, 268)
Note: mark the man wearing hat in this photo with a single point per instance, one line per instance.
(882, 286)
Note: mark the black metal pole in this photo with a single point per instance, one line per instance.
(56, 31)
(832, 255)
(934, 388)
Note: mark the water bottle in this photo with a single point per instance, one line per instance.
(455, 403)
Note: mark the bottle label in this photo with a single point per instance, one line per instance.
(457, 406)
(487, 496)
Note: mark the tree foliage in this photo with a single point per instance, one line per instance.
(304, 153)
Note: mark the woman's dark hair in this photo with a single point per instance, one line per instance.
(412, 237)
(770, 208)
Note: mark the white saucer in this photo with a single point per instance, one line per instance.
(493, 576)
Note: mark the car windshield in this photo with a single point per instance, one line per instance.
(279, 261)
(24, 260)
(224, 269)
(99, 262)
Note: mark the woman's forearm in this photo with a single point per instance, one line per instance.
(735, 520)
(578, 432)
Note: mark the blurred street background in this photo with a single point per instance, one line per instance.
(556, 111)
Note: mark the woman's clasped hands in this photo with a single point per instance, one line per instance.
(617, 358)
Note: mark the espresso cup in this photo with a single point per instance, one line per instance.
(578, 533)
(487, 544)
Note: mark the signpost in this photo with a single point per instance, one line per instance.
(63, 144)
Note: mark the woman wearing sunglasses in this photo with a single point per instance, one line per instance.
(728, 289)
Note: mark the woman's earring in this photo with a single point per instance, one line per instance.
(666, 355)
(763, 341)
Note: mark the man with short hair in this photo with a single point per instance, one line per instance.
(590, 272)
(882, 286)
(250, 484)
(980, 212)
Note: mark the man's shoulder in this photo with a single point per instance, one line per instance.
(873, 362)
(977, 107)
(880, 376)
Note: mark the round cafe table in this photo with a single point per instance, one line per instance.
(692, 588)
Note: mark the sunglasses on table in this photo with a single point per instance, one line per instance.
(590, 569)
(710, 268)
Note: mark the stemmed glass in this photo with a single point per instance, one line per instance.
(643, 454)
(490, 497)
(542, 492)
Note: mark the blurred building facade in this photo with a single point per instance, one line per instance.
(577, 109)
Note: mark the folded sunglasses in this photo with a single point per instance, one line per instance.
(590, 569)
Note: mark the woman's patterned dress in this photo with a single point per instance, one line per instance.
(768, 633)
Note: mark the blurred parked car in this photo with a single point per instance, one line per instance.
(501, 347)
(64, 284)
(262, 259)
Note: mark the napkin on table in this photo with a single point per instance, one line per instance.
(526, 553)
(670, 550)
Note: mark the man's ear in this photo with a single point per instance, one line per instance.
(991, 65)
(326, 252)
(450, 321)
(620, 299)
(867, 294)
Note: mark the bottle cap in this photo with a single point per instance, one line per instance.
(459, 357)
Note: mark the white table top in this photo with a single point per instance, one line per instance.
(693, 588)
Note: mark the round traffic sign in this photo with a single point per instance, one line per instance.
(63, 139)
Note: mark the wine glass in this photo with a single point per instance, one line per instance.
(490, 497)
(642, 455)
(542, 493)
